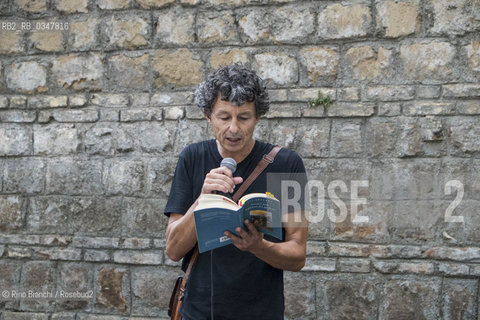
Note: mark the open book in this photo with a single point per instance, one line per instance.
(216, 214)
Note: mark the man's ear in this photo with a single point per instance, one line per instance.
(209, 119)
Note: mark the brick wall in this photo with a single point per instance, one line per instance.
(96, 103)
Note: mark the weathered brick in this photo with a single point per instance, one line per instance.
(159, 176)
(428, 62)
(367, 63)
(82, 34)
(65, 254)
(12, 213)
(25, 315)
(177, 68)
(404, 267)
(410, 298)
(36, 6)
(169, 31)
(223, 57)
(284, 110)
(56, 139)
(453, 269)
(321, 63)
(314, 142)
(48, 215)
(397, 19)
(466, 90)
(162, 99)
(464, 135)
(141, 114)
(390, 93)
(38, 276)
(473, 55)
(468, 107)
(17, 116)
(11, 42)
(349, 94)
(280, 68)
(77, 100)
(9, 279)
(74, 177)
(459, 299)
(72, 6)
(20, 239)
(129, 71)
(354, 265)
(112, 291)
(316, 248)
(453, 253)
(147, 257)
(55, 240)
(300, 298)
(16, 140)
(174, 113)
(78, 72)
(147, 4)
(67, 115)
(320, 264)
(51, 41)
(14, 252)
(95, 242)
(339, 21)
(15, 172)
(18, 102)
(382, 135)
(3, 101)
(428, 92)
(455, 17)
(358, 250)
(110, 100)
(303, 94)
(347, 109)
(123, 176)
(127, 32)
(423, 108)
(160, 244)
(27, 76)
(136, 243)
(142, 217)
(113, 4)
(96, 255)
(342, 296)
(346, 138)
(216, 27)
(44, 101)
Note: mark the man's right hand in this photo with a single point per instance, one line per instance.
(220, 179)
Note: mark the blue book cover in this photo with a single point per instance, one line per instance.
(216, 214)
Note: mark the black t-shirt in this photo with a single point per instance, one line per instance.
(244, 287)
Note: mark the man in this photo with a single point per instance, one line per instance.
(243, 280)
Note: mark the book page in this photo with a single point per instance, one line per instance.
(206, 201)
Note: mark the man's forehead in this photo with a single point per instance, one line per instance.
(227, 106)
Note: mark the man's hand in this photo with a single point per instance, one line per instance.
(249, 240)
(220, 179)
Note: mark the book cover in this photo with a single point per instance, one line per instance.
(216, 214)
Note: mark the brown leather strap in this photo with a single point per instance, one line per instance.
(262, 164)
(193, 259)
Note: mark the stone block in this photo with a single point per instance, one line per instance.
(124, 177)
(143, 217)
(96, 255)
(284, 110)
(151, 288)
(367, 63)
(410, 138)
(169, 31)
(349, 109)
(320, 63)
(96, 242)
(154, 137)
(71, 6)
(188, 131)
(68, 115)
(390, 93)
(49, 215)
(176, 68)
(159, 176)
(110, 100)
(410, 298)
(216, 27)
(136, 243)
(461, 90)
(129, 71)
(16, 140)
(37, 6)
(381, 136)
(299, 296)
(464, 135)
(139, 257)
(74, 177)
(453, 269)
(39, 277)
(25, 315)
(455, 17)
(18, 116)
(224, 57)
(338, 21)
(314, 138)
(127, 32)
(141, 114)
(163, 99)
(64, 315)
(25, 175)
(473, 56)
(284, 133)
(12, 213)
(56, 139)
(319, 264)
(9, 280)
(428, 62)
(341, 296)
(64, 254)
(349, 94)
(390, 267)
(47, 41)
(112, 290)
(397, 19)
(346, 138)
(468, 107)
(12, 42)
(303, 94)
(358, 250)
(280, 68)
(459, 299)
(78, 72)
(113, 4)
(150, 4)
(107, 139)
(18, 102)
(82, 34)
(3, 100)
(174, 113)
(354, 265)
(316, 248)
(417, 179)
(428, 92)
(424, 108)
(44, 101)
(27, 77)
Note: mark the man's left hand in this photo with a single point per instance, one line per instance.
(248, 240)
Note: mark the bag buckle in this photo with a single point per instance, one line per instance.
(268, 158)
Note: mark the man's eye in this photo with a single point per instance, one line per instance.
(223, 118)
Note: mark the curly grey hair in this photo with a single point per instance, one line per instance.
(236, 84)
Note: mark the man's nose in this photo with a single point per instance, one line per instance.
(234, 126)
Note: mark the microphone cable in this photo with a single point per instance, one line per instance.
(211, 284)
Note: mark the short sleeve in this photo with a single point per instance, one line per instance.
(181, 191)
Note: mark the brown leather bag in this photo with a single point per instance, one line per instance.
(176, 298)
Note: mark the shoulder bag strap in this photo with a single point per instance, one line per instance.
(262, 164)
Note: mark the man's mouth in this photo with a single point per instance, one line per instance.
(233, 140)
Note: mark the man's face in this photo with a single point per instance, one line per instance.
(233, 127)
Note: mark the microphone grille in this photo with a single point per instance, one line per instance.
(229, 163)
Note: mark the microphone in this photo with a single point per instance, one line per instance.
(230, 164)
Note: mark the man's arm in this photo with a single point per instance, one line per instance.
(288, 255)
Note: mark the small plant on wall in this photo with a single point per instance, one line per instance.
(320, 100)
